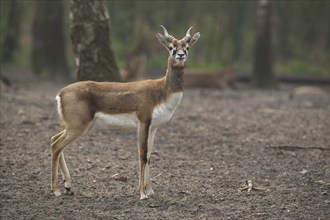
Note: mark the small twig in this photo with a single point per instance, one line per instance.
(259, 188)
(323, 183)
(159, 174)
(249, 186)
(114, 175)
(294, 147)
(154, 205)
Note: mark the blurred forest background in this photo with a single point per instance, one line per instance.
(300, 33)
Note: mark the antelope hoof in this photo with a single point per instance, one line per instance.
(150, 192)
(143, 196)
(67, 185)
(57, 192)
(69, 192)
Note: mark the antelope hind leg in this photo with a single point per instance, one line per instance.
(65, 174)
(57, 147)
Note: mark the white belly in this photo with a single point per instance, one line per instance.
(118, 120)
(161, 114)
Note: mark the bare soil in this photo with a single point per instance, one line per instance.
(215, 142)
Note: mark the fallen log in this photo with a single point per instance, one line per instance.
(299, 79)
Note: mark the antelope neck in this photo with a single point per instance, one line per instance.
(173, 79)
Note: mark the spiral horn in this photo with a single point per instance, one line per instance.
(168, 37)
(188, 36)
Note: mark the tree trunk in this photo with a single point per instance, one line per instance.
(48, 44)
(12, 33)
(263, 76)
(90, 35)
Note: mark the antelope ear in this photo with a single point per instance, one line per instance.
(194, 39)
(162, 40)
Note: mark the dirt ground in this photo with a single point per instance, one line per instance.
(215, 142)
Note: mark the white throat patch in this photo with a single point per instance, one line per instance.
(163, 112)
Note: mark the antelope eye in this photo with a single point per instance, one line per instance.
(187, 48)
(170, 48)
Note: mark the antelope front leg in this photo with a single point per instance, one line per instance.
(151, 137)
(143, 133)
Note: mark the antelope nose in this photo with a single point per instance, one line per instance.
(181, 55)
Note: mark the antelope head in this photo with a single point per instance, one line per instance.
(178, 49)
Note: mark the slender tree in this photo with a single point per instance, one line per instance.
(90, 35)
(12, 32)
(48, 42)
(263, 76)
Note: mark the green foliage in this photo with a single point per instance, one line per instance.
(300, 31)
(157, 61)
(302, 67)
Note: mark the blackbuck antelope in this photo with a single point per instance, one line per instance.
(144, 105)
